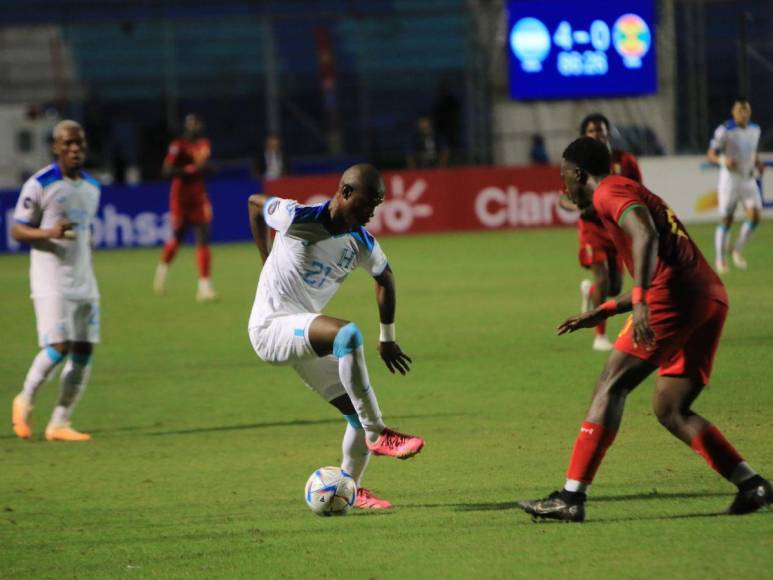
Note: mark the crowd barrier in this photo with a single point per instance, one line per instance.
(418, 201)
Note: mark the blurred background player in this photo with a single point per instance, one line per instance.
(54, 215)
(426, 148)
(189, 205)
(270, 163)
(734, 148)
(679, 308)
(597, 252)
(315, 249)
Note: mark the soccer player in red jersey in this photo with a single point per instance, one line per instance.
(597, 252)
(189, 205)
(679, 307)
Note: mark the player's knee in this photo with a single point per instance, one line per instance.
(344, 405)
(348, 339)
(668, 414)
(58, 348)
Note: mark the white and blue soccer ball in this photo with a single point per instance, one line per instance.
(330, 491)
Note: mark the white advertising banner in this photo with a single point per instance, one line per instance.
(689, 185)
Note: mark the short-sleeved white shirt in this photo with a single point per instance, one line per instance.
(740, 143)
(307, 264)
(60, 267)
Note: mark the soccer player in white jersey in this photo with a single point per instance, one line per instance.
(54, 213)
(314, 250)
(734, 148)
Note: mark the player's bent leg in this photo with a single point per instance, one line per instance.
(167, 255)
(722, 242)
(622, 375)
(42, 366)
(672, 404)
(72, 384)
(356, 455)
(345, 341)
(205, 292)
(747, 229)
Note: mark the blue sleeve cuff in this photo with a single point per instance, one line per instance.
(265, 207)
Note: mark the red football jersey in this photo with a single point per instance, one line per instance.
(681, 269)
(625, 164)
(188, 188)
(590, 229)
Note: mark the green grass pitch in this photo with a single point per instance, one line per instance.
(200, 451)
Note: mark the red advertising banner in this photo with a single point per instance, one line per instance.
(442, 200)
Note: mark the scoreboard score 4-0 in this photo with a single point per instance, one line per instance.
(565, 49)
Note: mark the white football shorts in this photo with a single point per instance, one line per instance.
(61, 320)
(284, 340)
(733, 189)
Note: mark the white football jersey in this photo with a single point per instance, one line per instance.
(307, 264)
(60, 267)
(738, 142)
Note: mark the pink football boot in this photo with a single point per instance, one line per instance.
(367, 500)
(396, 444)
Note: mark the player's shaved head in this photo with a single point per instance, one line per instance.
(360, 191)
(589, 155)
(69, 146)
(63, 128)
(364, 177)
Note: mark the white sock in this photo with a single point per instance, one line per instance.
(72, 384)
(205, 285)
(355, 453)
(42, 366)
(741, 473)
(354, 377)
(746, 232)
(574, 485)
(721, 238)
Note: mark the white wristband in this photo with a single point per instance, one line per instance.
(387, 333)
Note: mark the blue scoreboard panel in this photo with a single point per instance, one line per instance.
(565, 49)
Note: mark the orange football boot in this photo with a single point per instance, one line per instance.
(20, 412)
(64, 432)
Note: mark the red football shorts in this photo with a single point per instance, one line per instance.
(595, 246)
(183, 214)
(686, 337)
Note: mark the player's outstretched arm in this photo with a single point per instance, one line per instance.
(593, 317)
(394, 358)
(258, 226)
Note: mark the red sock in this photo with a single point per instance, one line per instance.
(717, 451)
(589, 449)
(170, 249)
(601, 328)
(204, 259)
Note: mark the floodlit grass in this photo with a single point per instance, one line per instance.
(200, 451)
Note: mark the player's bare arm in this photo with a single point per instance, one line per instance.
(394, 358)
(27, 234)
(258, 226)
(759, 164)
(714, 157)
(638, 224)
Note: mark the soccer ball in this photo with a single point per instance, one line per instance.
(330, 491)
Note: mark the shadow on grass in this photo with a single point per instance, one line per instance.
(292, 423)
(509, 505)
